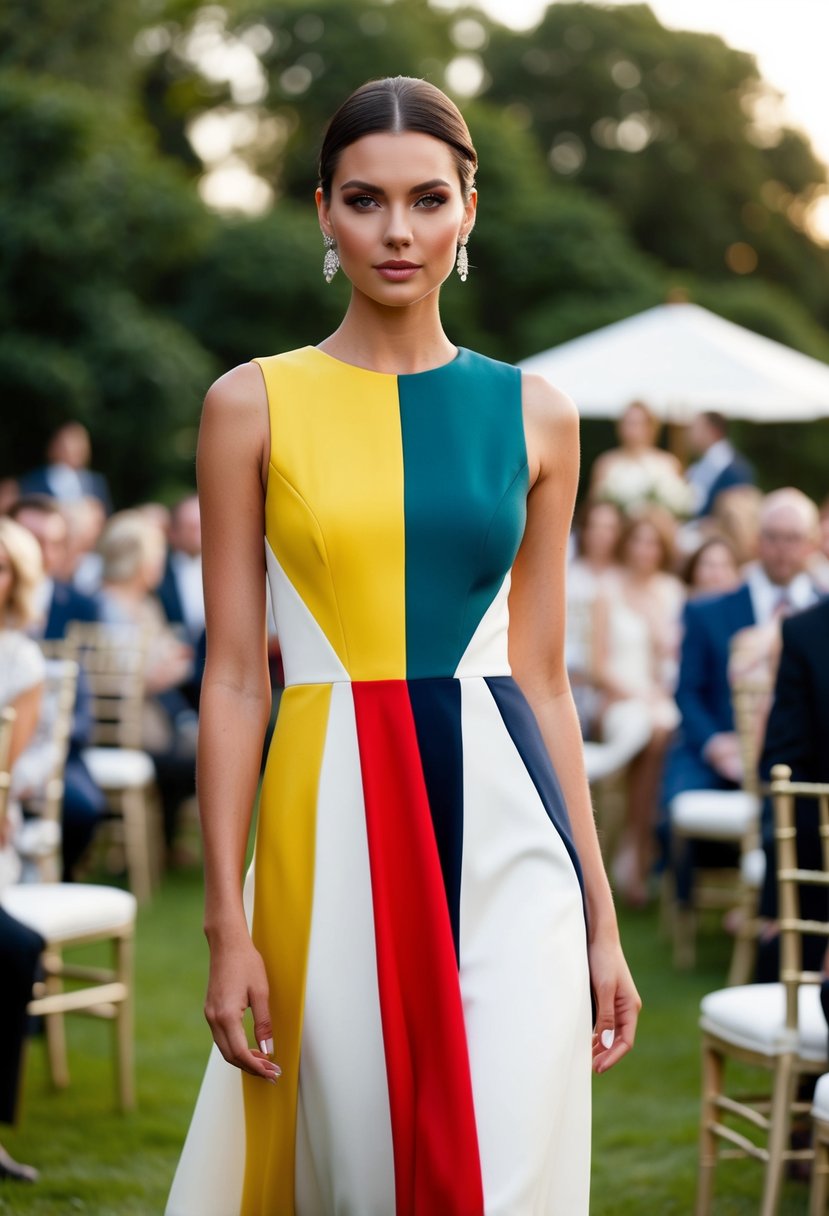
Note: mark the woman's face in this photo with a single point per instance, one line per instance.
(643, 551)
(716, 570)
(635, 428)
(6, 578)
(396, 212)
(600, 533)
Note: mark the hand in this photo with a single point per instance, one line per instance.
(237, 982)
(722, 751)
(618, 1003)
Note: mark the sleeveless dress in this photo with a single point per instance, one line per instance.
(415, 892)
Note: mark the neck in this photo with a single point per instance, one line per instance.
(396, 340)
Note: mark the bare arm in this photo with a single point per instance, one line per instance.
(27, 709)
(537, 622)
(235, 698)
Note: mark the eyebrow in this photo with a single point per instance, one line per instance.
(367, 186)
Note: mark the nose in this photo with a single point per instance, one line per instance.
(398, 229)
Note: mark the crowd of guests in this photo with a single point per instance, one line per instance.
(65, 557)
(667, 568)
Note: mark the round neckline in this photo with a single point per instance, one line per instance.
(371, 371)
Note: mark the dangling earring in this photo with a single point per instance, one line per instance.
(330, 263)
(462, 265)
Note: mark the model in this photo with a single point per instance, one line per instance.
(427, 904)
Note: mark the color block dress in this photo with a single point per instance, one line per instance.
(415, 892)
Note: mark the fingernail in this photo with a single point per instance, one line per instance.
(607, 1037)
(266, 1047)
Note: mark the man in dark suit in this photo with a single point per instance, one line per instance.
(60, 603)
(719, 468)
(66, 476)
(181, 592)
(797, 734)
(706, 754)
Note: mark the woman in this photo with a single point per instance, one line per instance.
(636, 642)
(638, 473)
(596, 540)
(429, 1004)
(712, 568)
(22, 672)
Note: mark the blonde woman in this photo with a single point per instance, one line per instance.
(22, 667)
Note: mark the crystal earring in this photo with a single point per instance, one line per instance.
(330, 263)
(463, 258)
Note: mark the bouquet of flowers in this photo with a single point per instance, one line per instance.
(631, 485)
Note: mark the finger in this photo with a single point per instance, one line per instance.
(608, 1053)
(262, 1026)
(604, 1030)
(229, 1036)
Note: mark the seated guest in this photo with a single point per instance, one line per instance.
(736, 516)
(597, 532)
(706, 754)
(181, 592)
(20, 950)
(712, 568)
(22, 666)
(58, 605)
(719, 468)
(796, 734)
(132, 549)
(636, 641)
(59, 602)
(81, 566)
(66, 475)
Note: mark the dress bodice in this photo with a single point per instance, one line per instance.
(394, 509)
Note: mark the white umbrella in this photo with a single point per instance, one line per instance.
(680, 359)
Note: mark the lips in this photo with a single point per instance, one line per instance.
(397, 272)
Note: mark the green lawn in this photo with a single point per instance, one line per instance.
(98, 1162)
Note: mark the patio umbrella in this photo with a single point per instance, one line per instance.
(681, 359)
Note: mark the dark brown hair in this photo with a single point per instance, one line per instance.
(398, 103)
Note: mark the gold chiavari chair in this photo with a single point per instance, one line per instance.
(779, 1028)
(114, 660)
(67, 915)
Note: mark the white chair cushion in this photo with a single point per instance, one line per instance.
(753, 868)
(118, 768)
(714, 814)
(820, 1101)
(59, 911)
(754, 1015)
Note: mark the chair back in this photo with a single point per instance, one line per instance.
(114, 659)
(7, 717)
(751, 675)
(790, 880)
(59, 693)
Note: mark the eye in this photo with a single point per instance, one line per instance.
(361, 202)
(431, 201)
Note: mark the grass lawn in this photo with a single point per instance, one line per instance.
(98, 1162)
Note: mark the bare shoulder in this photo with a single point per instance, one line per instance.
(240, 392)
(545, 404)
(551, 425)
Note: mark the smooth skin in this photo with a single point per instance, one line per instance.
(394, 197)
(27, 704)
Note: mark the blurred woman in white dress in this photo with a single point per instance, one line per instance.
(636, 633)
(596, 537)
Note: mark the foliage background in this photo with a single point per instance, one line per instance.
(619, 161)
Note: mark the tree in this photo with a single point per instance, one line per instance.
(677, 131)
(87, 266)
